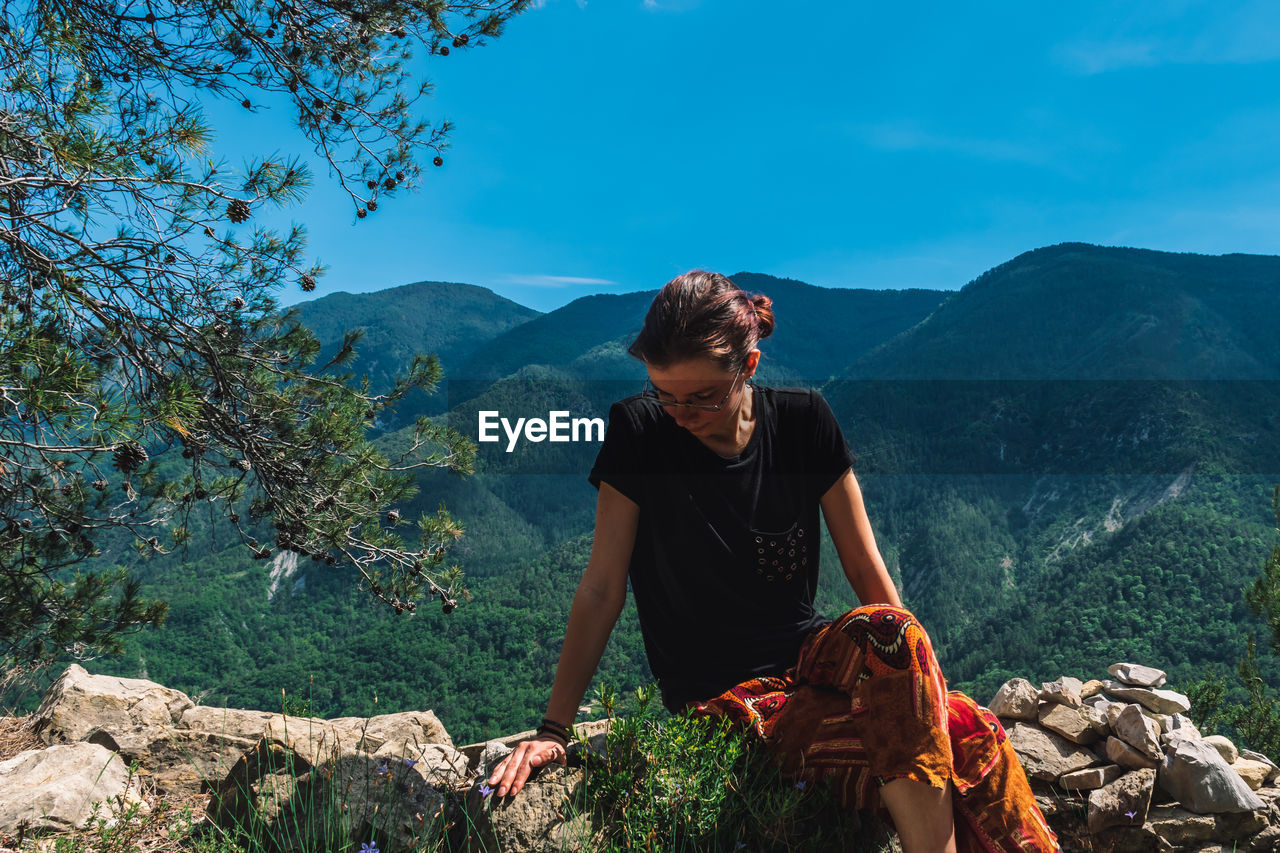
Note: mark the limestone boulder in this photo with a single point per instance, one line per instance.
(1126, 756)
(1181, 829)
(1258, 756)
(234, 722)
(1137, 674)
(1138, 731)
(1225, 747)
(79, 703)
(1015, 700)
(541, 819)
(1070, 722)
(62, 788)
(1045, 755)
(1254, 773)
(1091, 778)
(175, 760)
(1196, 776)
(1064, 691)
(1123, 802)
(405, 729)
(320, 791)
(1153, 699)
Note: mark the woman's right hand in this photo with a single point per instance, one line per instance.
(513, 771)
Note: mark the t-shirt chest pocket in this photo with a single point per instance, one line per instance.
(780, 557)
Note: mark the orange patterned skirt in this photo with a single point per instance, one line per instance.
(866, 703)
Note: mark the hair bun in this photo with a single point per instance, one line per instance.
(764, 314)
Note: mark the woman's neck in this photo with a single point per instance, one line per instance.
(737, 431)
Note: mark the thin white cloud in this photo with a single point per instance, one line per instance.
(539, 280)
(1194, 34)
(907, 136)
(669, 5)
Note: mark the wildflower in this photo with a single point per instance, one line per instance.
(369, 847)
(382, 770)
(800, 786)
(1131, 815)
(485, 790)
(409, 762)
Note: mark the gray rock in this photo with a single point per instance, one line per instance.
(1160, 701)
(1195, 774)
(1139, 732)
(1180, 728)
(175, 761)
(1137, 674)
(1181, 829)
(1123, 802)
(1121, 753)
(290, 790)
(1069, 722)
(1015, 700)
(57, 789)
(439, 763)
(1225, 747)
(1091, 778)
(79, 703)
(540, 819)
(411, 728)
(1045, 755)
(1064, 691)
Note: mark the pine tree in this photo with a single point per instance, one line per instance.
(138, 317)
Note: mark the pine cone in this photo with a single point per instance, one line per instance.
(243, 464)
(393, 517)
(128, 457)
(100, 485)
(238, 210)
(439, 161)
(308, 283)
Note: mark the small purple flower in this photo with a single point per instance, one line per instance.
(409, 762)
(368, 847)
(485, 790)
(1131, 815)
(801, 785)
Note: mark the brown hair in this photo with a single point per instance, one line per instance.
(703, 315)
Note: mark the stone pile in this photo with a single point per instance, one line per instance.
(1117, 765)
(107, 741)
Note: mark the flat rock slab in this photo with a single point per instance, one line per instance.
(1254, 773)
(539, 820)
(1160, 701)
(1073, 723)
(410, 729)
(55, 789)
(1091, 778)
(1137, 674)
(1045, 755)
(1195, 775)
(79, 703)
(1126, 756)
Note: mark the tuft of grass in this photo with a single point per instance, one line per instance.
(687, 783)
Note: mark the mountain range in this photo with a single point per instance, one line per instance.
(1066, 461)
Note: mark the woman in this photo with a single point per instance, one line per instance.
(709, 493)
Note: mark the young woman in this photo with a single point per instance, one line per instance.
(709, 494)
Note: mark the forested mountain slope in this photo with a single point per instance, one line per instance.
(1071, 455)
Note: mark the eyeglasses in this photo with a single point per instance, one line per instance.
(653, 394)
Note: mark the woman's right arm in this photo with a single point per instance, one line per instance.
(596, 605)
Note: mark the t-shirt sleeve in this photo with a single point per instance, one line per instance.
(831, 453)
(621, 458)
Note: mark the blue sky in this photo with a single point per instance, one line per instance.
(608, 145)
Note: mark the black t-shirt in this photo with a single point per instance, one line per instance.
(725, 563)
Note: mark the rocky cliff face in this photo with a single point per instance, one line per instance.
(1117, 766)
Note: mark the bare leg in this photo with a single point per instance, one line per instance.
(922, 815)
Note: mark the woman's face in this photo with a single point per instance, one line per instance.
(705, 383)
